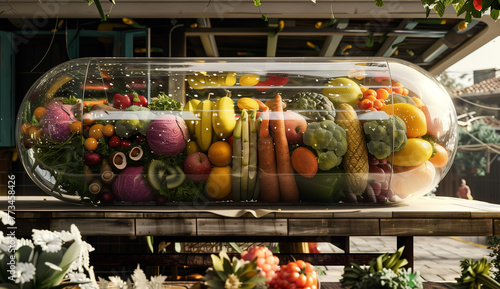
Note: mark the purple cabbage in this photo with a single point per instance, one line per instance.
(167, 135)
(130, 186)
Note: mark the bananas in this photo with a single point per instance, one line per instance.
(214, 120)
(188, 115)
(203, 124)
(223, 117)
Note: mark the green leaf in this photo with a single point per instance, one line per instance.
(2, 12)
(90, 2)
(150, 241)
(257, 3)
(264, 17)
(217, 263)
(214, 284)
(23, 254)
(494, 13)
(69, 257)
(248, 275)
(236, 247)
(379, 3)
(458, 5)
(439, 8)
(227, 265)
(42, 270)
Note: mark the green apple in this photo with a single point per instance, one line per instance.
(343, 90)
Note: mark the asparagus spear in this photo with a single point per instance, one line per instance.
(245, 138)
(236, 166)
(252, 165)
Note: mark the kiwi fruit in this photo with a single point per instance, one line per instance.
(161, 174)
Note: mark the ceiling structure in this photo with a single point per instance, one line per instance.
(298, 28)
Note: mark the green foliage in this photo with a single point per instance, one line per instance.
(476, 133)
(475, 274)
(494, 246)
(165, 102)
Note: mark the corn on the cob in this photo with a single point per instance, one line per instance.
(355, 160)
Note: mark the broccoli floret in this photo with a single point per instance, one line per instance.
(385, 136)
(329, 140)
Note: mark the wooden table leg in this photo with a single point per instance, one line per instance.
(407, 241)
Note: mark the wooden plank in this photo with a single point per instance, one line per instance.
(165, 227)
(432, 214)
(496, 227)
(32, 215)
(96, 227)
(436, 227)
(61, 215)
(128, 215)
(242, 227)
(333, 227)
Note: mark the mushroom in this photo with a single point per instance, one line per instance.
(136, 153)
(89, 175)
(95, 187)
(107, 174)
(118, 160)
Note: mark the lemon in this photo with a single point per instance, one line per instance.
(343, 90)
(218, 185)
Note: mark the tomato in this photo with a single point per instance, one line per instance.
(76, 127)
(382, 93)
(296, 275)
(108, 130)
(365, 104)
(416, 152)
(114, 141)
(90, 144)
(96, 131)
(370, 92)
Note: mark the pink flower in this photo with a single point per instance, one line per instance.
(478, 4)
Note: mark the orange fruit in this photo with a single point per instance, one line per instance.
(90, 144)
(218, 185)
(39, 112)
(440, 159)
(370, 92)
(220, 153)
(108, 130)
(76, 127)
(382, 93)
(96, 131)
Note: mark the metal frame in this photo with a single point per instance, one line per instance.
(7, 114)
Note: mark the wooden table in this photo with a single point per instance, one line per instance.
(426, 216)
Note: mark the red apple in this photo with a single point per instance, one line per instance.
(295, 126)
(197, 167)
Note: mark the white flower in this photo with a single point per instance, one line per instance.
(4, 243)
(53, 266)
(24, 243)
(118, 282)
(6, 219)
(47, 240)
(157, 281)
(82, 279)
(24, 272)
(66, 236)
(83, 260)
(139, 278)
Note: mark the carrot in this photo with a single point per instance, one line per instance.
(288, 187)
(94, 102)
(304, 162)
(261, 104)
(269, 186)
